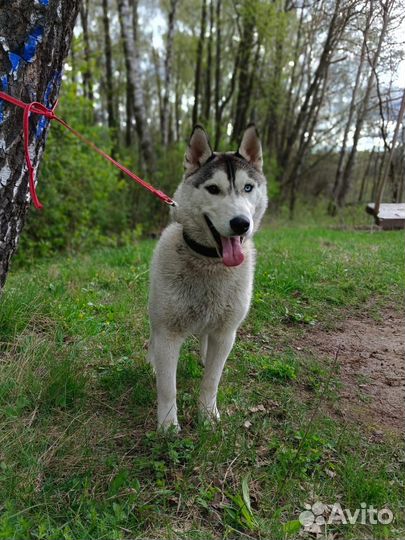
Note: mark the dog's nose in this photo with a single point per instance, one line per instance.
(240, 224)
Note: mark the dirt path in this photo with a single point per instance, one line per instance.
(372, 368)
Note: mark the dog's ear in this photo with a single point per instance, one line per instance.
(198, 151)
(250, 148)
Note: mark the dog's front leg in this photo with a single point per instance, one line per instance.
(165, 354)
(219, 347)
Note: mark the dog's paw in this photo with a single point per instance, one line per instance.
(210, 413)
(169, 427)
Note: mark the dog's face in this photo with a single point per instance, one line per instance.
(223, 196)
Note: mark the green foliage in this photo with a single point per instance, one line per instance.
(84, 198)
(240, 513)
(86, 201)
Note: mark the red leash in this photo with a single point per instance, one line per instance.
(38, 108)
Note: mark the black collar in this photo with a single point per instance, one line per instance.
(199, 248)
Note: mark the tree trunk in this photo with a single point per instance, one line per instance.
(127, 22)
(277, 95)
(87, 74)
(310, 104)
(36, 75)
(376, 169)
(208, 77)
(352, 108)
(348, 170)
(217, 73)
(389, 169)
(243, 97)
(73, 72)
(177, 109)
(254, 72)
(200, 50)
(168, 71)
(129, 92)
(401, 180)
(292, 87)
(129, 113)
(226, 99)
(305, 139)
(156, 65)
(366, 174)
(112, 122)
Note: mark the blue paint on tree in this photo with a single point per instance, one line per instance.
(44, 2)
(28, 52)
(52, 85)
(31, 44)
(15, 61)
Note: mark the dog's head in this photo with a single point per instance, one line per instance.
(223, 196)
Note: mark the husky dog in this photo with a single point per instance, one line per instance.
(203, 266)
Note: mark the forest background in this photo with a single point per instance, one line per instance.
(321, 79)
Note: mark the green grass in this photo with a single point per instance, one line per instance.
(79, 454)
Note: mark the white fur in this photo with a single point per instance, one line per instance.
(194, 294)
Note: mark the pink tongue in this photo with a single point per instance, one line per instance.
(232, 251)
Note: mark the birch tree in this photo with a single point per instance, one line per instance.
(208, 77)
(128, 23)
(300, 136)
(87, 72)
(342, 189)
(352, 107)
(33, 47)
(198, 68)
(112, 122)
(246, 70)
(168, 71)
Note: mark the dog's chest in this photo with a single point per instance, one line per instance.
(208, 297)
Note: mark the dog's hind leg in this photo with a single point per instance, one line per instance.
(219, 347)
(164, 352)
(203, 348)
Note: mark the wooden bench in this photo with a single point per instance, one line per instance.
(390, 215)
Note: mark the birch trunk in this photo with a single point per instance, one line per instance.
(346, 180)
(366, 174)
(309, 111)
(156, 66)
(200, 50)
(87, 74)
(168, 72)
(33, 74)
(218, 73)
(112, 122)
(208, 77)
(127, 22)
(352, 108)
(243, 97)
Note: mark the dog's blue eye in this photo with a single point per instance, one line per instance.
(214, 190)
(248, 188)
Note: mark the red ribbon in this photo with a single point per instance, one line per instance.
(38, 108)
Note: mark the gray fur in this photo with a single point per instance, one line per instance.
(194, 294)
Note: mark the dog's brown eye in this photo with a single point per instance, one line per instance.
(214, 190)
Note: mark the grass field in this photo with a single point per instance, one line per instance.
(79, 454)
